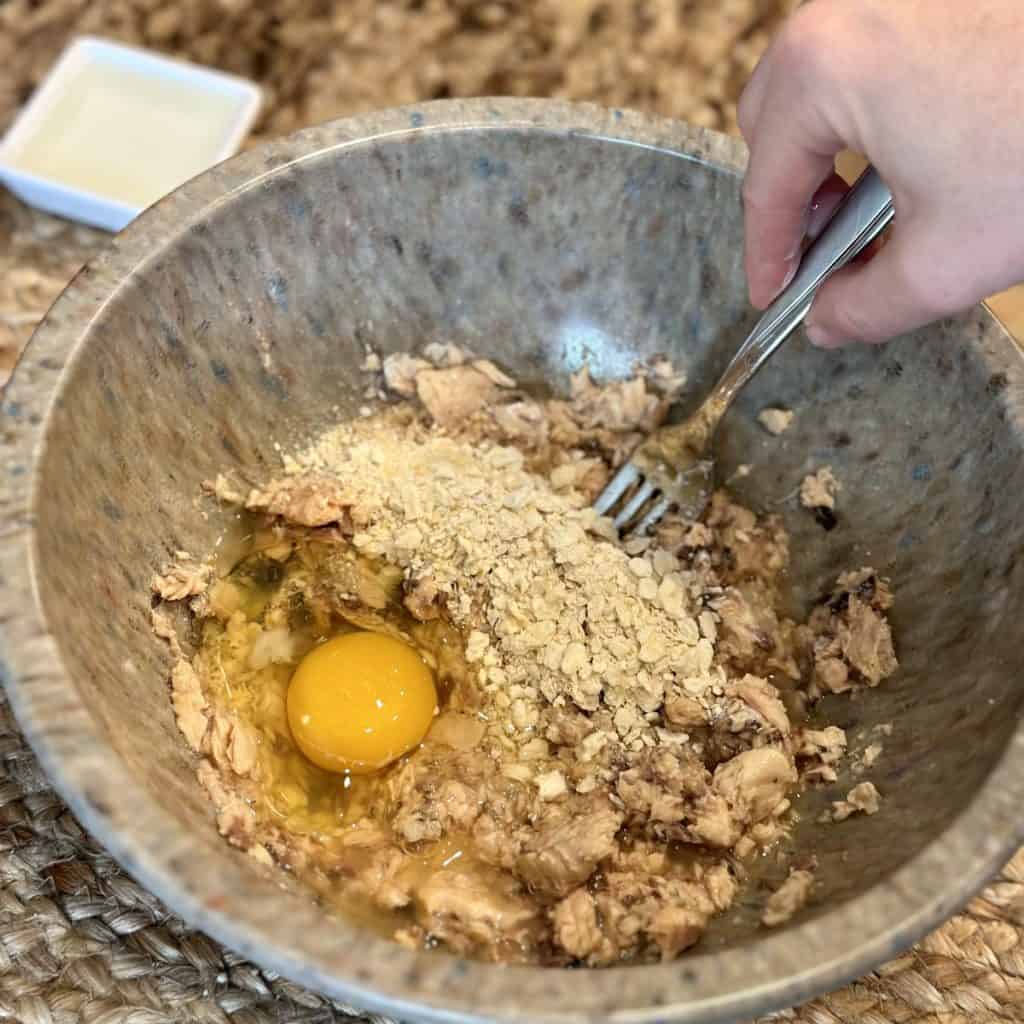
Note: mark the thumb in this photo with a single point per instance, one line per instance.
(875, 300)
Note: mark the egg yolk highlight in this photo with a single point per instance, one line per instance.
(360, 701)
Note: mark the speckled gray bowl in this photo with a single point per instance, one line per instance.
(233, 317)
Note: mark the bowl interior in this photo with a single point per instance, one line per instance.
(241, 334)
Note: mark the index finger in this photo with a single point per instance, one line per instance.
(782, 178)
(793, 147)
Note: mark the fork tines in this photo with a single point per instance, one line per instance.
(629, 492)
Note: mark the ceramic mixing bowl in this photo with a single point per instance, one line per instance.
(232, 319)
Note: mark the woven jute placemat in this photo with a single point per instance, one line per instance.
(81, 941)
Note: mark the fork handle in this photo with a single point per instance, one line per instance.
(863, 215)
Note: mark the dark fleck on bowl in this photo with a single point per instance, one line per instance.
(233, 317)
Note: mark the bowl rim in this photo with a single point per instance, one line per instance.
(245, 913)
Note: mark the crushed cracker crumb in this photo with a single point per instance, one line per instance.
(864, 798)
(788, 899)
(819, 489)
(184, 578)
(775, 421)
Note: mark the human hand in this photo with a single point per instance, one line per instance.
(931, 92)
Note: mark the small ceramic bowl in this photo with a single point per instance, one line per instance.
(233, 318)
(114, 128)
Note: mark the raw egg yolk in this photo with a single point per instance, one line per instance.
(360, 701)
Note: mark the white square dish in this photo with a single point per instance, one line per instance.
(112, 129)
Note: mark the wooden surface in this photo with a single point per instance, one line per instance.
(1009, 307)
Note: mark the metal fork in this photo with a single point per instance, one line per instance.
(674, 467)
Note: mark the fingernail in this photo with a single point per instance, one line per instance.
(793, 265)
(798, 245)
(820, 337)
(816, 336)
